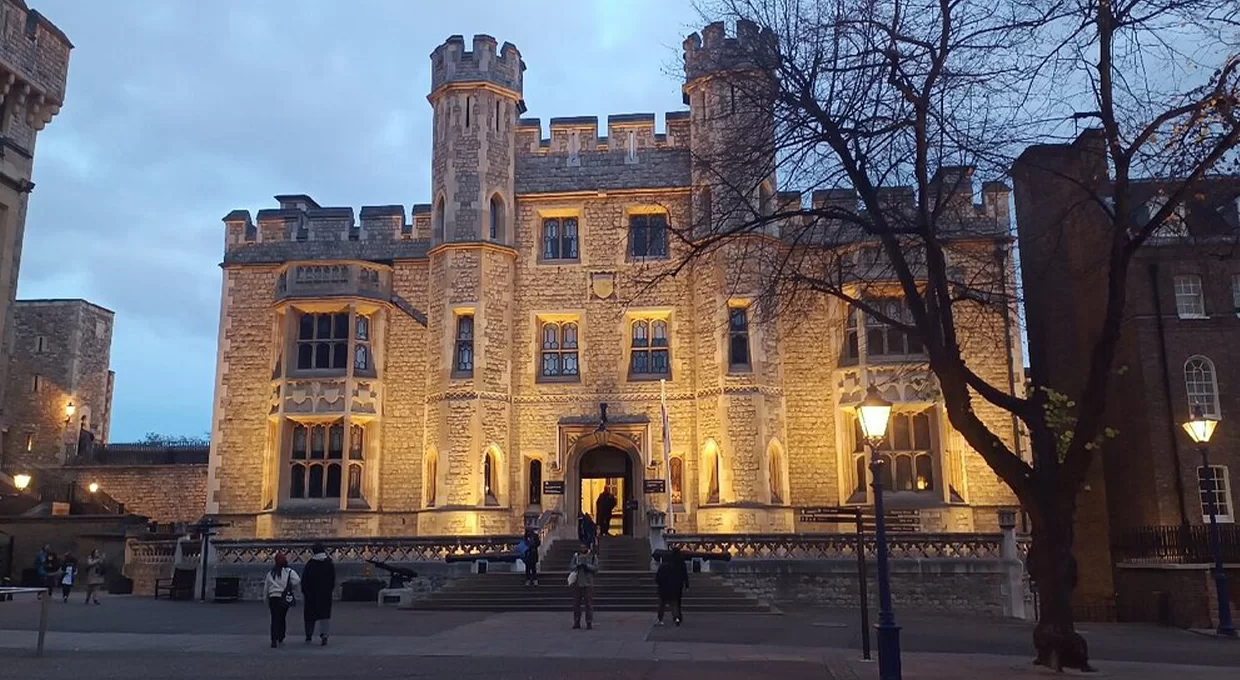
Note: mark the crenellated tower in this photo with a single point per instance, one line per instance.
(742, 467)
(476, 97)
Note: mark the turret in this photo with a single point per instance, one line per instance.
(476, 97)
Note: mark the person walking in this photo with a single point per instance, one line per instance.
(96, 569)
(587, 532)
(529, 555)
(672, 580)
(582, 569)
(43, 566)
(605, 505)
(279, 586)
(318, 582)
(68, 575)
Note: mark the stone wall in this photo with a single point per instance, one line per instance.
(1180, 595)
(164, 493)
(939, 585)
(66, 346)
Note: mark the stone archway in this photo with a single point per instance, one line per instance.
(603, 454)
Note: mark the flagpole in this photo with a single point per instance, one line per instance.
(667, 455)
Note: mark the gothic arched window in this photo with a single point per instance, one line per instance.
(497, 218)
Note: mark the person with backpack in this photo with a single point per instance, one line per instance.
(68, 576)
(528, 550)
(278, 586)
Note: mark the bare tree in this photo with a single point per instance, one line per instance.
(883, 109)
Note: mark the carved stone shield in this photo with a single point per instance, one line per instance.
(603, 285)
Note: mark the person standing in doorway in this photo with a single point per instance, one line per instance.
(582, 569)
(587, 532)
(318, 582)
(605, 505)
(672, 579)
(95, 571)
(278, 586)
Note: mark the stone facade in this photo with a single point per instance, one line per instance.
(34, 64)
(60, 391)
(166, 494)
(477, 341)
(1147, 475)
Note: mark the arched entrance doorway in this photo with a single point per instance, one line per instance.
(608, 468)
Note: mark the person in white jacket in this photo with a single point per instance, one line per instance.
(280, 581)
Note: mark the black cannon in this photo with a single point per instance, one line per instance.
(399, 574)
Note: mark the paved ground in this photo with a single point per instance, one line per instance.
(135, 638)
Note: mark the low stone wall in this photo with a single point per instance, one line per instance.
(431, 576)
(975, 586)
(164, 493)
(1181, 595)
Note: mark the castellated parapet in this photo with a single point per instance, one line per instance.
(452, 63)
(713, 52)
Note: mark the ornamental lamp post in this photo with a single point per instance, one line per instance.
(1200, 428)
(874, 412)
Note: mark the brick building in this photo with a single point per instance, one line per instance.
(34, 63)
(441, 371)
(1180, 345)
(60, 391)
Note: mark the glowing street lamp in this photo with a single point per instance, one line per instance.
(1200, 428)
(21, 481)
(93, 487)
(70, 409)
(874, 412)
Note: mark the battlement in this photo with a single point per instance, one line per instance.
(626, 132)
(301, 220)
(714, 52)
(951, 187)
(34, 65)
(452, 63)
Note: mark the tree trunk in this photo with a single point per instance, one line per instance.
(1052, 567)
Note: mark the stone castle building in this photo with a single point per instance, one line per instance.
(34, 64)
(441, 372)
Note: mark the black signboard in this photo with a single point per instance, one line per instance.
(654, 485)
(898, 521)
(553, 487)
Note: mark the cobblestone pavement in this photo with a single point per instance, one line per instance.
(134, 638)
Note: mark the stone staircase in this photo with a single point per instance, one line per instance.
(625, 582)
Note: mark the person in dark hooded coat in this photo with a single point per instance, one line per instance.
(318, 582)
(672, 579)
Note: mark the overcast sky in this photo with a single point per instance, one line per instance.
(179, 111)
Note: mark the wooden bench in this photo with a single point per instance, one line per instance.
(180, 586)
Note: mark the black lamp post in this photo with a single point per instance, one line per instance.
(1200, 429)
(874, 412)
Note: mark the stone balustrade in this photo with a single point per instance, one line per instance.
(832, 546)
(334, 280)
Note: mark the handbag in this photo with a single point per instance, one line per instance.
(289, 598)
(572, 579)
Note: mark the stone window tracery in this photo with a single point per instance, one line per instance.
(463, 364)
(738, 338)
(649, 354)
(648, 235)
(315, 454)
(322, 341)
(907, 455)
(559, 349)
(559, 238)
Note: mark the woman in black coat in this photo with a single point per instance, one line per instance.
(318, 582)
